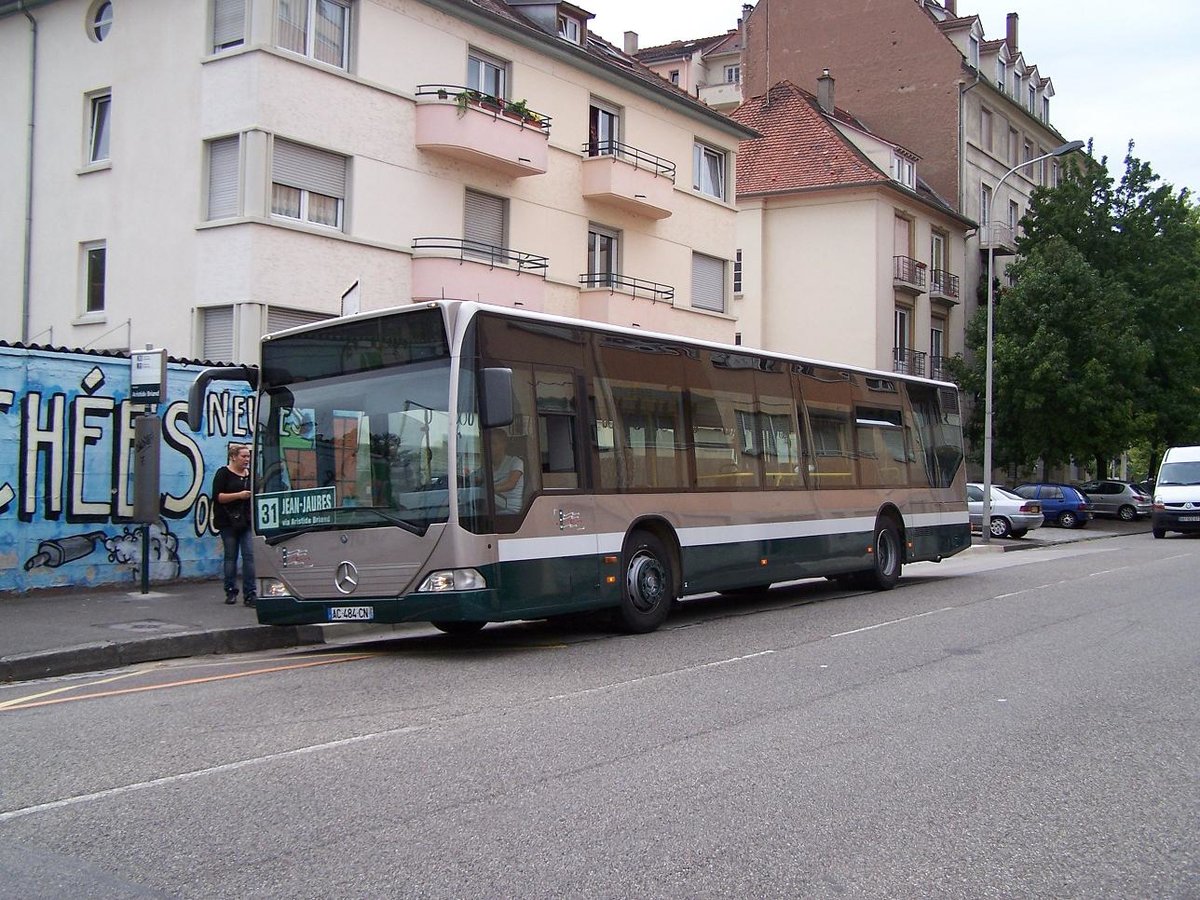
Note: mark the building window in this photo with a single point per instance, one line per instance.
(1014, 216)
(568, 29)
(224, 157)
(1043, 168)
(1014, 146)
(307, 184)
(229, 24)
(1001, 74)
(604, 129)
(902, 340)
(937, 251)
(216, 334)
(487, 74)
(1016, 86)
(100, 107)
(937, 346)
(485, 225)
(708, 171)
(603, 261)
(318, 29)
(1032, 100)
(708, 282)
(1028, 151)
(973, 50)
(1046, 109)
(904, 171)
(95, 257)
(733, 74)
(100, 20)
(985, 130)
(1055, 173)
(985, 207)
(674, 77)
(737, 272)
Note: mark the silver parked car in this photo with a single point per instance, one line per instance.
(1122, 499)
(1012, 516)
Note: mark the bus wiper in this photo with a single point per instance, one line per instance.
(383, 512)
(388, 515)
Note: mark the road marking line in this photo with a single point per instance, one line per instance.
(199, 773)
(18, 705)
(932, 612)
(71, 687)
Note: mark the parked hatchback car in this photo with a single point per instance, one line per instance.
(1062, 504)
(1012, 516)
(1122, 499)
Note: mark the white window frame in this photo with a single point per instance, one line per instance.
(487, 74)
(99, 149)
(308, 29)
(1014, 215)
(228, 24)
(1032, 100)
(485, 221)
(569, 29)
(737, 273)
(604, 128)
(705, 280)
(1046, 109)
(90, 252)
(1001, 74)
(973, 50)
(709, 164)
(904, 171)
(733, 74)
(100, 20)
(985, 208)
(224, 167)
(306, 183)
(603, 254)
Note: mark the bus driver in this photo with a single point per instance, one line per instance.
(508, 473)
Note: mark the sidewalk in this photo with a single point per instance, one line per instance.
(67, 630)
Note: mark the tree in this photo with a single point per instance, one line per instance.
(1144, 236)
(1067, 361)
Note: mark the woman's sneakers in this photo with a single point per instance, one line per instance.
(231, 597)
(250, 598)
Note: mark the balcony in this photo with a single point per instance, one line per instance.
(723, 96)
(1002, 238)
(908, 274)
(943, 286)
(625, 177)
(470, 270)
(621, 300)
(908, 362)
(501, 135)
(938, 368)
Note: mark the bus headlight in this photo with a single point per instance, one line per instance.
(453, 580)
(272, 587)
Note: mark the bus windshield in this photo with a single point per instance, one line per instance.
(353, 429)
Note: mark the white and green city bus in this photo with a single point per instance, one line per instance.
(653, 467)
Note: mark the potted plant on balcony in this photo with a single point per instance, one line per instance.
(519, 110)
(468, 97)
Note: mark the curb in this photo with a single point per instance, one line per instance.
(114, 654)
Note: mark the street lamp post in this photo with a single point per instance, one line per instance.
(986, 522)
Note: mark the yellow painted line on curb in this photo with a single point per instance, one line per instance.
(23, 703)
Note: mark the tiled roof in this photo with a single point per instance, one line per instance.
(799, 148)
(678, 49)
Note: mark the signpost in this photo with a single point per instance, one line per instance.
(147, 384)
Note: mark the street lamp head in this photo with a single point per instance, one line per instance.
(1067, 148)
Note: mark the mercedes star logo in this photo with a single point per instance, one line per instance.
(346, 578)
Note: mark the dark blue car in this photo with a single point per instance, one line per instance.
(1062, 504)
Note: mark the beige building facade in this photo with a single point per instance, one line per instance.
(194, 175)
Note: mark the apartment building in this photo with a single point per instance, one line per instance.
(193, 175)
(928, 77)
(844, 252)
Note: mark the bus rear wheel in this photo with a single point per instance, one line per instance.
(458, 627)
(648, 589)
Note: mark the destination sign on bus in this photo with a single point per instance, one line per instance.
(296, 509)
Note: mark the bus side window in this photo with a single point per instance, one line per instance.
(557, 412)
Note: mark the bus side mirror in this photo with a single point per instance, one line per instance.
(496, 397)
(195, 411)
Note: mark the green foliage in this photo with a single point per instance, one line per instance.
(1097, 344)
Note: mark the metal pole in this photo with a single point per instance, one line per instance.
(986, 522)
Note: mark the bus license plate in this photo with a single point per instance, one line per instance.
(351, 613)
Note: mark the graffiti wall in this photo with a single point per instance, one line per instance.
(67, 428)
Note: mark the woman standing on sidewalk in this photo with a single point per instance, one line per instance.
(231, 515)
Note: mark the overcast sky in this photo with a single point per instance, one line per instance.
(1122, 70)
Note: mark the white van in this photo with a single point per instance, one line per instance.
(1177, 492)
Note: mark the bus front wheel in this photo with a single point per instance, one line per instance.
(648, 589)
(888, 557)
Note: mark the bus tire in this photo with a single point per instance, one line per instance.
(888, 557)
(458, 627)
(649, 587)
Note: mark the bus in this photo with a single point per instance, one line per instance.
(651, 467)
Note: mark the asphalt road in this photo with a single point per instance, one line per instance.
(1001, 725)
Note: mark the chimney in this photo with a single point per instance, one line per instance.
(1011, 37)
(952, 7)
(825, 92)
(630, 43)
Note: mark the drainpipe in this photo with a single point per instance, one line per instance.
(28, 260)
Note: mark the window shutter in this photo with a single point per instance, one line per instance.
(218, 334)
(484, 219)
(229, 23)
(708, 282)
(223, 160)
(309, 169)
(279, 319)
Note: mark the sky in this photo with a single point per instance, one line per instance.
(1121, 70)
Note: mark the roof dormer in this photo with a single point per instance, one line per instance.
(566, 20)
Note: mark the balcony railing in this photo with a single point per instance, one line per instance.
(939, 368)
(908, 273)
(944, 284)
(639, 159)
(626, 285)
(469, 98)
(466, 250)
(1002, 238)
(908, 362)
